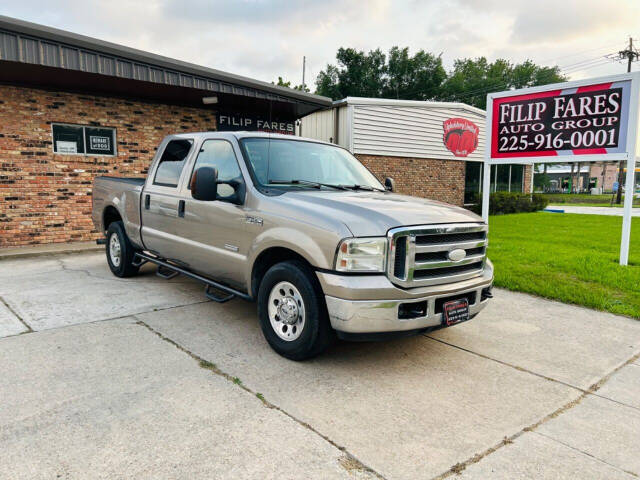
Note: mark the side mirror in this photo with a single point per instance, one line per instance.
(239, 191)
(204, 184)
(389, 184)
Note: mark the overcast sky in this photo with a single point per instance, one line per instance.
(265, 39)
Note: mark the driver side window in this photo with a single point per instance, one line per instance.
(219, 155)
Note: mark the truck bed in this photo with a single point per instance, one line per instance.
(124, 192)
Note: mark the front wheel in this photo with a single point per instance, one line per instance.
(292, 312)
(120, 251)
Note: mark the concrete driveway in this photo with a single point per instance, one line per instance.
(612, 211)
(143, 378)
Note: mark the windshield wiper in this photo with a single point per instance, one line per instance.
(367, 188)
(308, 183)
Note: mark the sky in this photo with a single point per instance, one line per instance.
(265, 39)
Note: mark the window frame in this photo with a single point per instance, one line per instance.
(114, 132)
(195, 160)
(159, 162)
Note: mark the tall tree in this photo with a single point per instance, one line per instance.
(357, 74)
(422, 76)
(471, 79)
(416, 77)
(281, 83)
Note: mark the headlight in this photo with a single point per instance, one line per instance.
(362, 255)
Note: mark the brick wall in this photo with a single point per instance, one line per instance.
(46, 197)
(526, 183)
(422, 177)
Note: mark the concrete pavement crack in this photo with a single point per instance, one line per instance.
(585, 453)
(459, 467)
(15, 314)
(352, 459)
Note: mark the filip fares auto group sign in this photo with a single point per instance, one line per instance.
(584, 120)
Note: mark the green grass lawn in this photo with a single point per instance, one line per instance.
(567, 257)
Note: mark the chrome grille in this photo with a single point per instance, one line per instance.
(420, 255)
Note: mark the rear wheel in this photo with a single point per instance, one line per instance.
(120, 251)
(292, 312)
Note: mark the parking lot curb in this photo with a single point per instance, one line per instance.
(49, 249)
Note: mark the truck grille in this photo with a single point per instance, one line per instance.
(420, 255)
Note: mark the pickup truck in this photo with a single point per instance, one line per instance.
(302, 228)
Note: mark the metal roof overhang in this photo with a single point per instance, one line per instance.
(39, 56)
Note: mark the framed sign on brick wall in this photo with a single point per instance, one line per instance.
(69, 139)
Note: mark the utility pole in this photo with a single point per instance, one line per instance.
(304, 64)
(631, 54)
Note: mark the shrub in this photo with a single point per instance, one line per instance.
(511, 202)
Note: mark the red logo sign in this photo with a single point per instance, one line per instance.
(460, 136)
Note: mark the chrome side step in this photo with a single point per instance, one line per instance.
(168, 270)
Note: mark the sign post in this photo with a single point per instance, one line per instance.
(582, 121)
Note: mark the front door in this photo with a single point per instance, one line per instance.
(214, 232)
(161, 200)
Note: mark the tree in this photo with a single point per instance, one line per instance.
(357, 74)
(422, 76)
(471, 79)
(414, 78)
(282, 83)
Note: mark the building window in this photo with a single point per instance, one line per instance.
(172, 162)
(504, 178)
(83, 140)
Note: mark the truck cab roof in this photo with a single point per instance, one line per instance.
(244, 134)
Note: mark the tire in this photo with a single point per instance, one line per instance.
(120, 251)
(292, 312)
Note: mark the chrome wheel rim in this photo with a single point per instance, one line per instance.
(115, 250)
(286, 311)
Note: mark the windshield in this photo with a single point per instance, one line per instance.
(282, 163)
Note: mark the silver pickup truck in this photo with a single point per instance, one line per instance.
(304, 229)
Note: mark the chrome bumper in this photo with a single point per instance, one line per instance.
(372, 316)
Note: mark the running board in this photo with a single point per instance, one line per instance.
(231, 292)
(166, 273)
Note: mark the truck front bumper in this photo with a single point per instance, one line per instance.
(372, 304)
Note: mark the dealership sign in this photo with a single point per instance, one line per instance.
(227, 122)
(590, 119)
(460, 136)
(586, 120)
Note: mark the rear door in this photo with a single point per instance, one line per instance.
(161, 201)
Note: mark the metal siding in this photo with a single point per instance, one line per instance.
(30, 50)
(50, 54)
(9, 47)
(70, 58)
(124, 69)
(45, 48)
(409, 131)
(107, 65)
(89, 62)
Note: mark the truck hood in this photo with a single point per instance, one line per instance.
(374, 213)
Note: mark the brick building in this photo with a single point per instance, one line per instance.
(73, 107)
(431, 149)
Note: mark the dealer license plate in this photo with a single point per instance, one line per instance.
(455, 311)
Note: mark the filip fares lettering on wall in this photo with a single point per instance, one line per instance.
(228, 122)
(591, 119)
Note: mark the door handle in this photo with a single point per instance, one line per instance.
(147, 201)
(181, 208)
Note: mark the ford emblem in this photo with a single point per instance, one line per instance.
(457, 255)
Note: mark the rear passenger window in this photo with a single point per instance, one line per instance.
(172, 162)
(219, 155)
